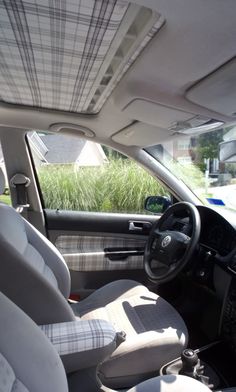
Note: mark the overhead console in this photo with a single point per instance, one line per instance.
(217, 91)
(152, 121)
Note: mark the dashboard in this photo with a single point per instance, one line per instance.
(211, 272)
(217, 241)
(217, 233)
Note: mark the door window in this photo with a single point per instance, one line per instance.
(76, 174)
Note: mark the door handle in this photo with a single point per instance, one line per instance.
(140, 226)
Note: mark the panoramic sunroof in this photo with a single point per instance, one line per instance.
(69, 55)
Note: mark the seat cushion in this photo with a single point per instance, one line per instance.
(171, 383)
(155, 332)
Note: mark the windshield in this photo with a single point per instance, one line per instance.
(194, 160)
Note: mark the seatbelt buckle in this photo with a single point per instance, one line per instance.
(120, 338)
(20, 182)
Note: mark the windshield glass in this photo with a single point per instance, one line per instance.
(194, 160)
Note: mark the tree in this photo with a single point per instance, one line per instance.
(112, 154)
(207, 147)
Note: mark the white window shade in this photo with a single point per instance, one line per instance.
(69, 56)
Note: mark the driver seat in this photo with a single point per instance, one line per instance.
(34, 275)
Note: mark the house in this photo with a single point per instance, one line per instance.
(61, 150)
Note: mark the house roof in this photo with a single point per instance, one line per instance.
(61, 148)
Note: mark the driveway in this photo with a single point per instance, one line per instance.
(226, 193)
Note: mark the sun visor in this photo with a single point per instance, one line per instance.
(152, 113)
(217, 92)
(142, 135)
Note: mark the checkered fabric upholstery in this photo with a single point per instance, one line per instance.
(77, 336)
(51, 51)
(86, 253)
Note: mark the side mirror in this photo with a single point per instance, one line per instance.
(227, 151)
(157, 204)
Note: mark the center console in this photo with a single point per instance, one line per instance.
(192, 365)
(228, 326)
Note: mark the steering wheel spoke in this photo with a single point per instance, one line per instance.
(169, 250)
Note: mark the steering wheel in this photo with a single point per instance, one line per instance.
(171, 242)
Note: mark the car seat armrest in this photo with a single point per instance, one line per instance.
(83, 343)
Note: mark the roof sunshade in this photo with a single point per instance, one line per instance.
(69, 55)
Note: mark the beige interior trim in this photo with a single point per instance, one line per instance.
(217, 91)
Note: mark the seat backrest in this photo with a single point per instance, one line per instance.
(28, 362)
(33, 274)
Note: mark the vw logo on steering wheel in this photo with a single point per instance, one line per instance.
(165, 242)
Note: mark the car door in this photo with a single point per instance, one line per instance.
(94, 209)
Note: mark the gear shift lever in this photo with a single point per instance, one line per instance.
(192, 367)
(190, 363)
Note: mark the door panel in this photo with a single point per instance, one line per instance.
(99, 222)
(100, 247)
(100, 253)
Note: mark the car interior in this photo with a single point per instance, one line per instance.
(102, 290)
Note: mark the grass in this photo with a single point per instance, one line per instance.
(5, 199)
(190, 174)
(120, 186)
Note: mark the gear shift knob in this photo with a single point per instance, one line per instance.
(189, 356)
(190, 361)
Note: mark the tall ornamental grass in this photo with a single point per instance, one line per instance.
(119, 186)
(189, 173)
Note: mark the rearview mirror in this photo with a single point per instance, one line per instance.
(157, 204)
(227, 151)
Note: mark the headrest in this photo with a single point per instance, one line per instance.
(2, 182)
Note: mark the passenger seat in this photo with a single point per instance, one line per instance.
(30, 363)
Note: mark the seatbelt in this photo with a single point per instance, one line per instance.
(20, 182)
